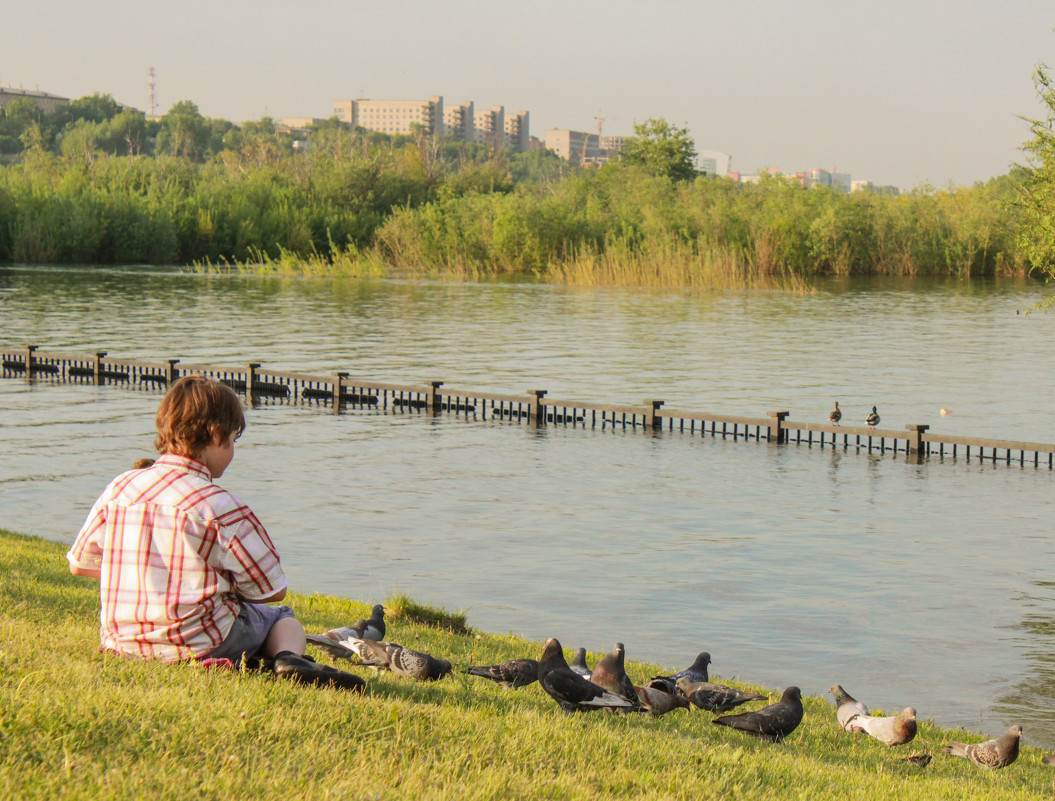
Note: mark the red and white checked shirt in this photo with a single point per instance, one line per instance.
(175, 552)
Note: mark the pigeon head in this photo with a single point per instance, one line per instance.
(1015, 730)
(443, 668)
(703, 659)
(379, 611)
(909, 713)
(620, 653)
(792, 693)
(838, 692)
(552, 651)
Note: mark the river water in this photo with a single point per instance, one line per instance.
(925, 585)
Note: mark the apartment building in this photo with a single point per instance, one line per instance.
(575, 147)
(393, 116)
(460, 121)
(47, 103)
(490, 126)
(516, 129)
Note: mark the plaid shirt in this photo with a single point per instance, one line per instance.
(175, 553)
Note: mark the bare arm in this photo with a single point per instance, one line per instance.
(277, 595)
(94, 572)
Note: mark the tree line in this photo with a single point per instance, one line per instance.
(94, 183)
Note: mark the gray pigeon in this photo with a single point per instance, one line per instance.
(578, 664)
(997, 753)
(657, 702)
(893, 730)
(416, 664)
(715, 697)
(1048, 760)
(509, 674)
(846, 707)
(571, 691)
(697, 671)
(610, 673)
(371, 653)
(772, 723)
(374, 628)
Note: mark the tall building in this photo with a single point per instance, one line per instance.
(517, 135)
(45, 102)
(393, 116)
(460, 121)
(490, 126)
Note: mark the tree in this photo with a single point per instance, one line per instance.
(662, 149)
(1037, 234)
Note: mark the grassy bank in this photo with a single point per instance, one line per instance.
(78, 724)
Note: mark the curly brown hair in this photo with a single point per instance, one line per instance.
(194, 410)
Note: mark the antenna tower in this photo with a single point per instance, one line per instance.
(152, 96)
(600, 122)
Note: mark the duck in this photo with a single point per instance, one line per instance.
(835, 415)
(873, 419)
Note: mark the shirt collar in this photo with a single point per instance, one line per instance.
(185, 463)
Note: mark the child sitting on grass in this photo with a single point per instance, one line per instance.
(185, 569)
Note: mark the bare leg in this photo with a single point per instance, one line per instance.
(286, 635)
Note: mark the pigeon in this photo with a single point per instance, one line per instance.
(846, 707)
(715, 697)
(578, 664)
(835, 415)
(340, 645)
(610, 674)
(998, 753)
(374, 628)
(416, 664)
(873, 418)
(571, 691)
(509, 674)
(697, 671)
(894, 730)
(772, 723)
(1048, 760)
(658, 702)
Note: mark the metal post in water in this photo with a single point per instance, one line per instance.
(652, 419)
(776, 425)
(915, 440)
(99, 366)
(536, 405)
(29, 360)
(250, 380)
(338, 392)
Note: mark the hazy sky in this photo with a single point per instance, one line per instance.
(894, 91)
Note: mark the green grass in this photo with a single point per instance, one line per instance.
(77, 724)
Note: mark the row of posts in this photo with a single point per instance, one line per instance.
(433, 402)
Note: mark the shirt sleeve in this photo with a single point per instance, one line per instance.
(87, 551)
(251, 559)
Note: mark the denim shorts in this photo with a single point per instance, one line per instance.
(250, 629)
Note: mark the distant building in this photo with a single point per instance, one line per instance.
(47, 103)
(393, 116)
(516, 130)
(460, 121)
(819, 177)
(490, 125)
(575, 147)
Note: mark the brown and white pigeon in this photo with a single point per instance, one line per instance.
(571, 691)
(715, 697)
(371, 653)
(509, 674)
(657, 702)
(846, 707)
(772, 723)
(1048, 760)
(893, 730)
(697, 671)
(416, 664)
(610, 673)
(993, 754)
(578, 664)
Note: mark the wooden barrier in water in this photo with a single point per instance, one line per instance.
(339, 391)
